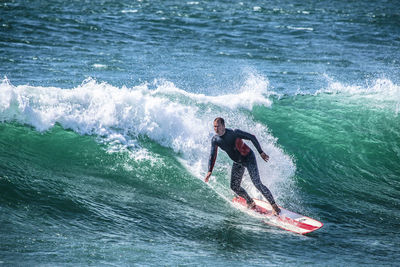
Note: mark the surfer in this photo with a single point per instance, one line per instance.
(243, 157)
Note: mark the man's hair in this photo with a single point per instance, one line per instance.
(220, 121)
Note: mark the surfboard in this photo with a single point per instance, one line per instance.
(286, 220)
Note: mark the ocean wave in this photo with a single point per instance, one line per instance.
(102, 109)
(105, 110)
(119, 115)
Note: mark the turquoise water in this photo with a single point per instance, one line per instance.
(106, 111)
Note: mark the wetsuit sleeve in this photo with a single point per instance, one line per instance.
(213, 155)
(252, 138)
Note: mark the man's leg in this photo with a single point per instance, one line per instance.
(236, 179)
(255, 178)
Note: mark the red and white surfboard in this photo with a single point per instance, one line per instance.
(286, 220)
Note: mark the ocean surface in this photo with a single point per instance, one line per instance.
(106, 111)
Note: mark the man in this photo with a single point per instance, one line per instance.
(243, 157)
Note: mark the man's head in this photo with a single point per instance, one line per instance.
(219, 126)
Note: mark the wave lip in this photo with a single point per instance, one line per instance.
(380, 89)
(379, 94)
(254, 91)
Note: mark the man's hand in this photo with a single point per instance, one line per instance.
(207, 177)
(264, 156)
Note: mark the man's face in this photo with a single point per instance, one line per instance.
(219, 128)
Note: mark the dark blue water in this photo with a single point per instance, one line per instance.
(106, 112)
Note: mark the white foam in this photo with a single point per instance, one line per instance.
(130, 11)
(99, 66)
(300, 28)
(380, 93)
(380, 89)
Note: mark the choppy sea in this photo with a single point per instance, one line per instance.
(106, 111)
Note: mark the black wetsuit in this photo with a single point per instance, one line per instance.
(243, 157)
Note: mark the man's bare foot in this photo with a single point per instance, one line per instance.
(275, 209)
(252, 205)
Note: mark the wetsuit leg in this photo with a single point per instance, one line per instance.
(236, 179)
(252, 167)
